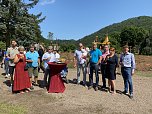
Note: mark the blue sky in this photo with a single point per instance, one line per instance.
(74, 19)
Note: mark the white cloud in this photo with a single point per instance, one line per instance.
(46, 2)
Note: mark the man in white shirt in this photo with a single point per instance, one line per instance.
(80, 62)
(11, 53)
(47, 57)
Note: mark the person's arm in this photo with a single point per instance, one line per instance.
(100, 57)
(84, 55)
(8, 53)
(133, 65)
(43, 57)
(16, 59)
(116, 60)
(38, 56)
(39, 61)
(75, 59)
(58, 56)
(120, 60)
(99, 61)
(27, 60)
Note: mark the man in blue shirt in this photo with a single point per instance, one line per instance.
(127, 62)
(32, 58)
(95, 59)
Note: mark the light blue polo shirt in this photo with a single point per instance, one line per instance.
(95, 55)
(34, 56)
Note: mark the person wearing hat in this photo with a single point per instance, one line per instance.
(95, 59)
(127, 62)
(47, 57)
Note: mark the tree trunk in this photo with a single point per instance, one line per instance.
(7, 39)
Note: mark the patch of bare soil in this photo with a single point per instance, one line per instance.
(78, 99)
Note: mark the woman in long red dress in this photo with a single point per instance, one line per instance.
(21, 77)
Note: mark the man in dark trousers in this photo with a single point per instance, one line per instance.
(41, 52)
(95, 59)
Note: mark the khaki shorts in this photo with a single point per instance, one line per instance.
(33, 71)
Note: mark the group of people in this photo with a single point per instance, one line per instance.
(89, 61)
(26, 65)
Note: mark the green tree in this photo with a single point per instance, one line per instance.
(2, 45)
(114, 39)
(17, 23)
(133, 36)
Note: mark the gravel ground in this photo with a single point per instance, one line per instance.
(78, 99)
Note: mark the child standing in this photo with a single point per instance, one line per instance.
(6, 63)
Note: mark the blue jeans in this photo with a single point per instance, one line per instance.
(126, 73)
(84, 70)
(6, 67)
(94, 67)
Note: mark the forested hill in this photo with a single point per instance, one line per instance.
(144, 22)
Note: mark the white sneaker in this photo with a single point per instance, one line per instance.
(6, 76)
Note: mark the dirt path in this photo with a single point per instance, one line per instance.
(78, 99)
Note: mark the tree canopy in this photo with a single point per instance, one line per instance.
(17, 23)
(136, 32)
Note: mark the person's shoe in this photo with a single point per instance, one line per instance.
(125, 92)
(32, 88)
(108, 90)
(103, 87)
(36, 84)
(78, 83)
(26, 91)
(6, 76)
(113, 92)
(44, 87)
(90, 87)
(21, 92)
(131, 96)
(96, 88)
(11, 88)
(66, 81)
(84, 85)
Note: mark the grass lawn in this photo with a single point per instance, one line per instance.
(144, 73)
(11, 109)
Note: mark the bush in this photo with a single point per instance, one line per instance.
(147, 51)
(2, 45)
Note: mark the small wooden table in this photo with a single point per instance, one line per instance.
(56, 83)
